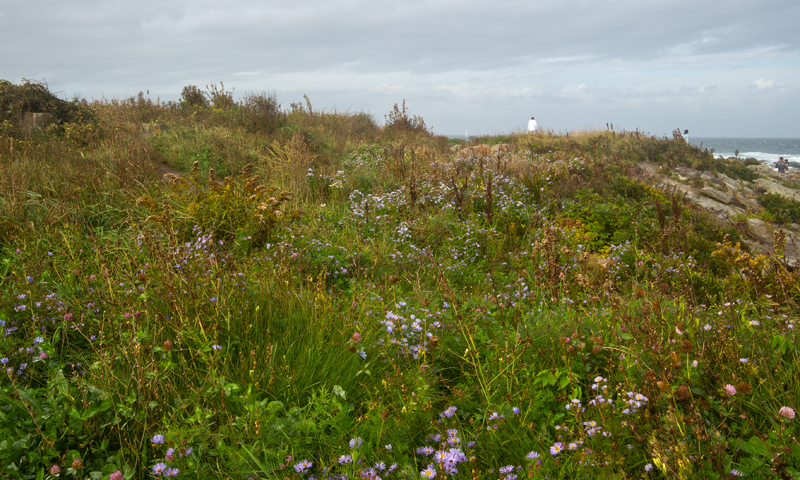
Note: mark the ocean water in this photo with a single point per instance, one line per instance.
(766, 150)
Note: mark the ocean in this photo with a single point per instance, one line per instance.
(765, 150)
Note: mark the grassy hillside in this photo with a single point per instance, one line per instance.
(309, 294)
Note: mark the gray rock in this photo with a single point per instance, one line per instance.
(720, 209)
(747, 201)
(717, 195)
(759, 230)
(731, 184)
(711, 179)
(775, 188)
(501, 147)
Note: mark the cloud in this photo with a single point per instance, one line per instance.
(762, 84)
(468, 61)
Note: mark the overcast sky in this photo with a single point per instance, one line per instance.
(718, 68)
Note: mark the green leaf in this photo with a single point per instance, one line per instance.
(545, 378)
(754, 446)
(95, 410)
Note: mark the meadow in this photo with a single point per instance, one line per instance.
(214, 288)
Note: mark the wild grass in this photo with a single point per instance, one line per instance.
(319, 296)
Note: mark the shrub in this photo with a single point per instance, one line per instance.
(220, 98)
(35, 97)
(785, 210)
(261, 112)
(191, 96)
(398, 122)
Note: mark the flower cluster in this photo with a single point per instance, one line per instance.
(411, 334)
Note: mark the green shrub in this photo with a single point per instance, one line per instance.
(35, 97)
(192, 96)
(785, 211)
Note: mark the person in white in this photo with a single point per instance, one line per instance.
(532, 126)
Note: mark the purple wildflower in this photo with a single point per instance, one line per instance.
(159, 468)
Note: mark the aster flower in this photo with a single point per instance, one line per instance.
(556, 449)
(532, 455)
(157, 439)
(449, 412)
(171, 472)
(426, 450)
(356, 442)
(429, 472)
(159, 468)
(302, 466)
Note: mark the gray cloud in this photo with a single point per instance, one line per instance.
(471, 64)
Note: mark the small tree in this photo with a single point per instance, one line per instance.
(191, 96)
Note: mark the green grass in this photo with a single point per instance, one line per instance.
(350, 282)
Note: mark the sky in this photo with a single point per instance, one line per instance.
(717, 68)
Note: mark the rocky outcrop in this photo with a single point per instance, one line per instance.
(730, 201)
(769, 186)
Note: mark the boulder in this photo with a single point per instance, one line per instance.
(717, 195)
(713, 206)
(501, 147)
(775, 188)
(747, 201)
(731, 184)
(711, 179)
(759, 230)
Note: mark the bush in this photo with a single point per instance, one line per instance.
(261, 112)
(220, 98)
(398, 121)
(35, 97)
(785, 210)
(191, 96)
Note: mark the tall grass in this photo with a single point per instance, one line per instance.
(307, 286)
